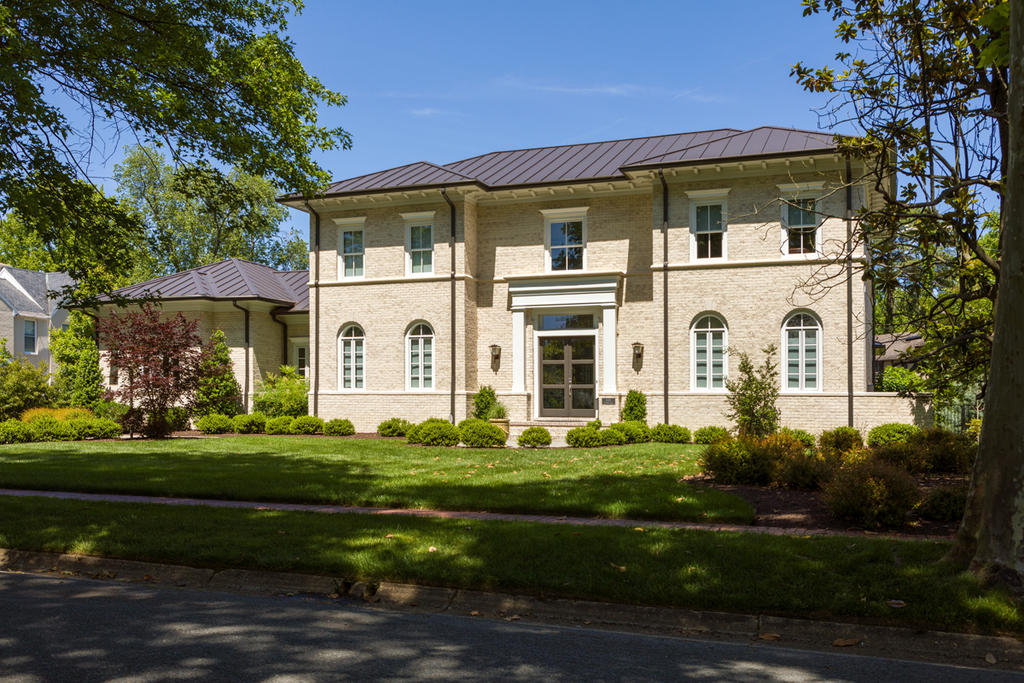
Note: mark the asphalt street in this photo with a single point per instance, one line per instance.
(69, 629)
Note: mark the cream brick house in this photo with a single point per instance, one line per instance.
(566, 276)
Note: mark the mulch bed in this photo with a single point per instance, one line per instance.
(779, 507)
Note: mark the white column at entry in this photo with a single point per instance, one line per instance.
(519, 351)
(608, 352)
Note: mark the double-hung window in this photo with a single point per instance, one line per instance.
(802, 343)
(801, 222)
(565, 239)
(29, 336)
(707, 224)
(419, 242)
(351, 247)
(709, 344)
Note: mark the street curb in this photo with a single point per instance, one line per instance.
(962, 649)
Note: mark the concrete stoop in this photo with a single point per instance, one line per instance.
(1000, 652)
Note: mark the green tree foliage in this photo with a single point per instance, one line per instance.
(753, 393)
(79, 381)
(213, 80)
(284, 394)
(23, 385)
(217, 390)
(901, 380)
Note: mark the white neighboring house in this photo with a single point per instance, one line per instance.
(27, 313)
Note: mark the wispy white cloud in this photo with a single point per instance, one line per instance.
(633, 90)
(433, 112)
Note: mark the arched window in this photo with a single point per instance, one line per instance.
(350, 354)
(801, 337)
(709, 342)
(421, 356)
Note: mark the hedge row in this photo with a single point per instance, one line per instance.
(257, 423)
(46, 428)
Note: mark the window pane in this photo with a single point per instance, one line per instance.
(558, 259)
(701, 360)
(715, 218)
(574, 258)
(582, 373)
(553, 348)
(573, 232)
(567, 322)
(715, 245)
(702, 219)
(354, 265)
(421, 237)
(704, 245)
(583, 349)
(583, 399)
(354, 242)
(554, 398)
(558, 234)
(553, 374)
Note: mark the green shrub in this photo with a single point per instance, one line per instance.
(753, 393)
(394, 426)
(890, 433)
(872, 494)
(484, 402)
(217, 390)
(46, 428)
(253, 423)
(283, 394)
(835, 442)
(634, 432)
(111, 410)
(61, 414)
(728, 462)
(23, 385)
(339, 428)
(805, 471)
(901, 455)
(534, 437)
(498, 412)
(280, 425)
(944, 504)
(706, 435)
(594, 424)
(670, 434)
(804, 437)
(584, 437)
(901, 380)
(635, 407)
(412, 432)
(178, 418)
(215, 423)
(612, 437)
(944, 452)
(15, 431)
(306, 424)
(439, 433)
(481, 434)
(95, 428)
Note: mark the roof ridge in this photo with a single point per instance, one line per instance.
(241, 272)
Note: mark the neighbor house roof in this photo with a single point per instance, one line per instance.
(27, 291)
(591, 161)
(893, 346)
(229, 279)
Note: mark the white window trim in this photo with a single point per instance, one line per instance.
(784, 374)
(418, 219)
(341, 360)
(35, 337)
(560, 216)
(789, 192)
(709, 198)
(353, 224)
(693, 356)
(433, 363)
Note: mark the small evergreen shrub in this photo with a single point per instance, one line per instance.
(662, 433)
(901, 455)
(217, 390)
(804, 471)
(481, 434)
(178, 418)
(635, 407)
(872, 494)
(253, 423)
(594, 424)
(584, 437)
(280, 425)
(215, 423)
(95, 428)
(534, 437)
(412, 432)
(804, 437)
(394, 426)
(893, 432)
(306, 424)
(484, 401)
(944, 452)
(111, 410)
(339, 428)
(944, 504)
(835, 442)
(440, 433)
(23, 385)
(707, 435)
(46, 428)
(727, 462)
(612, 437)
(634, 432)
(753, 393)
(15, 431)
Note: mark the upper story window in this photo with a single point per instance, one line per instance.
(29, 336)
(565, 239)
(709, 345)
(707, 224)
(801, 338)
(420, 347)
(351, 345)
(801, 224)
(419, 242)
(350, 246)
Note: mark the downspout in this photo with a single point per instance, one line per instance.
(316, 309)
(451, 340)
(664, 289)
(248, 352)
(849, 294)
(284, 337)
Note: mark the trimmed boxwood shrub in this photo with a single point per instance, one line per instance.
(254, 423)
(663, 433)
(45, 428)
(835, 442)
(612, 437)
(15, 431)
(872, 494)
(215, 423)
(306, 424)
(95, 428)
(394, 426)
(944, 504)
(534, 437)
(280, 425)
(634, 431)
(584, 437)
(60, 414)
(339, 428)
(481, 434)
(706, 435)
(804, 437)
(893, 432)
(439, 433)
(412, 433)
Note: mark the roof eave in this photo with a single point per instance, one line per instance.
(823, 151)
(299, 202)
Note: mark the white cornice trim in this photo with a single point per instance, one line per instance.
(350, 222)
(570, 212)
(718, 193)
(414, 216)
(791, 188)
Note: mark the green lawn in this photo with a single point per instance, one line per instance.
(639, 481)
(800, 576)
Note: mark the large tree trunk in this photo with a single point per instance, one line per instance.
(991, 535)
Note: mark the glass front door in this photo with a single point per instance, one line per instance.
(567, 382)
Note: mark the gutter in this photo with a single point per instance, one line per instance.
(451, 339)
(316, 309)
(664, 288)
(849, 294)
(248, 352)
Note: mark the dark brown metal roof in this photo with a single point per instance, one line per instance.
(229, 279)
(588, 161)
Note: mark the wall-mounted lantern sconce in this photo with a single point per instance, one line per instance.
(638, 356)
(495, 357)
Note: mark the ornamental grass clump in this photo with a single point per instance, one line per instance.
(534, 437)
(341, 427)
